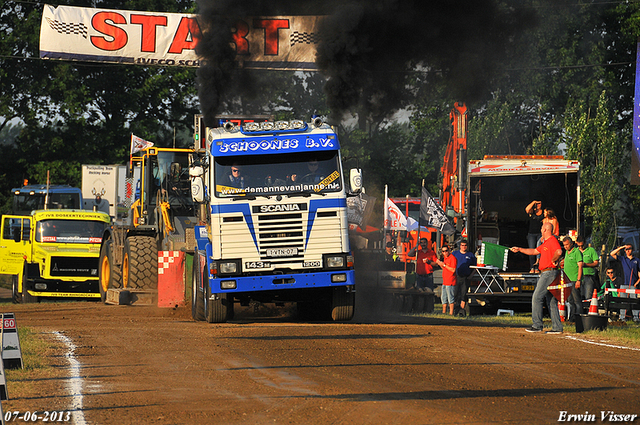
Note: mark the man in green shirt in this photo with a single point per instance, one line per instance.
(572, 266)
(591, 261)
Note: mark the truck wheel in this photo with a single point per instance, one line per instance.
(216, 311)
(109, 276)
(140, 263)
(343, 304)
(26, 297)
(16, 296)
(197, 296)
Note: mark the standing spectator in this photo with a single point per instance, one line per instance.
(463, 272)
(631, 267)
(550, 217)
(550, 252)
(572, 266)
(590, 262)
(611, 282)
(534, 210)
(390, 253)
(448, 266)
(425, 260)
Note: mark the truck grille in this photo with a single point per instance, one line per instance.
(74, 267)
(280, 237)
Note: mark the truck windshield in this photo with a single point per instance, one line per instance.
(285, 174)
(25, 203)
(70, 231)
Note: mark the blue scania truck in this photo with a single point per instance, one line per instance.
(274, 229)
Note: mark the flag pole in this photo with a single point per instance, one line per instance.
(385, 213)
(418, 241)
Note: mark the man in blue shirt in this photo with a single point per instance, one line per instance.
(631, 267)
(463, 272)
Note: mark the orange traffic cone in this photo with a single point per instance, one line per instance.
(593, 307)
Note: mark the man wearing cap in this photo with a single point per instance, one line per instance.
(425, 260)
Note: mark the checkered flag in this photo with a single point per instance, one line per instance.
(298, 37)
(66, 28)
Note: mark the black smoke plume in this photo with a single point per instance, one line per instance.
(373, 53)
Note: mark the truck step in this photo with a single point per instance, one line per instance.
(132, 297)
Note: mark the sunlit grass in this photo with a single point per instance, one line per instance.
(617, 333)
(38, 351)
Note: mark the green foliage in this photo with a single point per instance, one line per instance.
(593, 138)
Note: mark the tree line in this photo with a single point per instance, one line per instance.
(563, 85)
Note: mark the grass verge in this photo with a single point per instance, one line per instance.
(617, 333)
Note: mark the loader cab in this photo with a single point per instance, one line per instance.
(165, 181)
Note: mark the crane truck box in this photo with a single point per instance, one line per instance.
(52, 253)
(275, 220)
(486, 200)
(103, 187)
(500, 188)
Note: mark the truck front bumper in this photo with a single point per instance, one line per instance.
(283, 281)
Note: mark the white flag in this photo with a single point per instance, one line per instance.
(394, 219)
(138, 144)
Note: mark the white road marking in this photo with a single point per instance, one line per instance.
(75, 382)
(602, 344)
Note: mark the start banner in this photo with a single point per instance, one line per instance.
(170, 39)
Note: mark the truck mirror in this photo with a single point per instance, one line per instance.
(16, 234)
(196, 171)
(355, 178)
(197, 189)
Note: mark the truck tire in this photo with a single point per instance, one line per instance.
(26, 284)
(216, 311)
(16, 296)
(109, 276)
(197, 296)
(140, 263)
(342, 304)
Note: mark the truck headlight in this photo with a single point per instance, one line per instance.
(334, 261)
(227, 267)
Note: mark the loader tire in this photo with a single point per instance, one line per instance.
(109, 275)
(197, 296)
(140, 263)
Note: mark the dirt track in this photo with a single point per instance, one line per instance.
(145, 365)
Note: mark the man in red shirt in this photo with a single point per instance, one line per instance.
(425, 260)
(550, 252)
(448, 279)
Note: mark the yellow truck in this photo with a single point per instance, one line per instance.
(52, 253)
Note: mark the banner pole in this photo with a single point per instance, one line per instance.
(385, 213)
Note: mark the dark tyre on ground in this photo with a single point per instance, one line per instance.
(140, 263)
(342, 304)
(197, 296)
(109, 276)
(219, 309)
(16, 296)
(26, 285)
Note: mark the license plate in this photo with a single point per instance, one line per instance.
(528, 287)
(257, 265)
(282, 252)
(311, 264)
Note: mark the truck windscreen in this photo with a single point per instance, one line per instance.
(70, 231)
(24, 203)
(285, 174)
